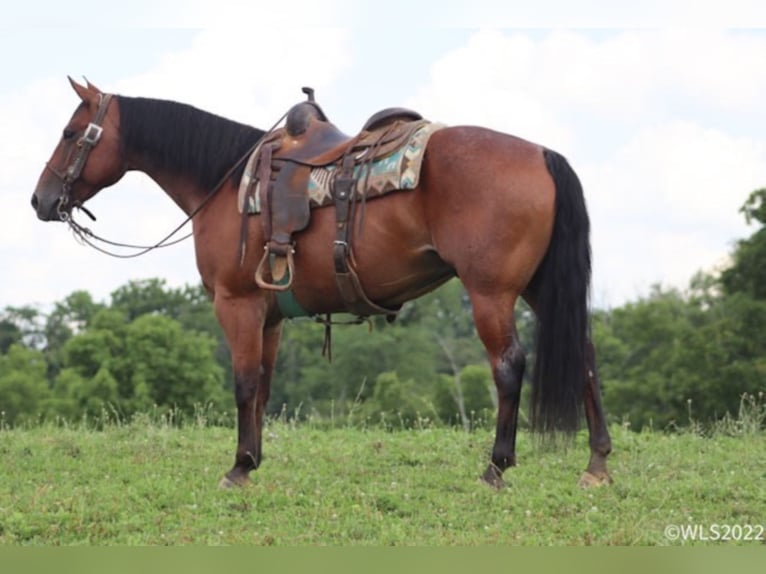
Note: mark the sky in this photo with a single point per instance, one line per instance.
(659, 108)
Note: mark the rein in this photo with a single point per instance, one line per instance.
(86, 236)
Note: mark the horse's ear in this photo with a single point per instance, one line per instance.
(91, 86)
(85, 93)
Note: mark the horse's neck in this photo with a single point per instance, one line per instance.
(180, 188)
(183, 149)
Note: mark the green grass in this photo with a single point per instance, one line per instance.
(152, 483)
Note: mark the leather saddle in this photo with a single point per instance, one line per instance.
(281, 181)
(311, 139)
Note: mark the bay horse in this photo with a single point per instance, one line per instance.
(506, 216)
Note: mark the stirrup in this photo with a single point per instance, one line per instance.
(281, 284)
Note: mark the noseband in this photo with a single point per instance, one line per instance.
(72, 173)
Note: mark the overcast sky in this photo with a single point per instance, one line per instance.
(661, 113)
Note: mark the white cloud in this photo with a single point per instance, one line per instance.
(665, 205)
(693, 173)
(492, 81)
(621, 76)
(598, 14)
(249, 79)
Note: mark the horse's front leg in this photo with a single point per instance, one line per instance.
(253, 354)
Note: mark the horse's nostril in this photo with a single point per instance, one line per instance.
(34, 201)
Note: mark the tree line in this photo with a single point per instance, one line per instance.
(670, 356)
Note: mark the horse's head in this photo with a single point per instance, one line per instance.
(86, 159)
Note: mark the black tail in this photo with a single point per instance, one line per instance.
(561, 294)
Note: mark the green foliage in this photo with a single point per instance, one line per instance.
(665, 359)
(9, 334)
(148, 296)
(22, 325)
(747, 274)
(23, 386)
(399, 403)
(90, 358)
(478, 388)
(754, 208)
(360, 356)
(176, 366)
(478, 393)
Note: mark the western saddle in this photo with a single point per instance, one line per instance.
(279, 183)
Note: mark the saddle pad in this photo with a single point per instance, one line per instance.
(399, 170)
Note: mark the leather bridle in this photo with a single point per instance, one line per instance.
(73, 171)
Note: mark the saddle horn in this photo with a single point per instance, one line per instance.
(310, 93)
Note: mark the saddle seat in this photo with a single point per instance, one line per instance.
(309, 138)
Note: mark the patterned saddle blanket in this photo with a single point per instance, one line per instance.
(399, 170)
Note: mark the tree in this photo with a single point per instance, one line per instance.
(23, 325)
(147, 296)
(747, 273)
(176, 366)
(446, 315)
(69, 317)
(78, 396)
(668, 357)
(132, 366)
(398, 402)
(23, 387)
(359, 357)
(189, 305)
(10, 334)
(479, 396)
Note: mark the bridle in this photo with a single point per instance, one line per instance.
(73, 172)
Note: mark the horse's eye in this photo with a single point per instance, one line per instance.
(69, 134)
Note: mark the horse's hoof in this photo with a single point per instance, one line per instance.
(227, 482)
(591, 480)
(493, 477)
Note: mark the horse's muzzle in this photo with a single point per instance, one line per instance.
(46, 210)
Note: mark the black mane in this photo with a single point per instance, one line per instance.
(184, 139)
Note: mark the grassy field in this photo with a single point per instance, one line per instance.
(153, 483)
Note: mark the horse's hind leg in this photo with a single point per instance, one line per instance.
(600, 444)
(494, 320)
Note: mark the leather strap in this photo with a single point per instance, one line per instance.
(266, 187)
(88, 140)
(346, 277)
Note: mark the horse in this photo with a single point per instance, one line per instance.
(504, 215)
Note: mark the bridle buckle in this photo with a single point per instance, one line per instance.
(92, 134)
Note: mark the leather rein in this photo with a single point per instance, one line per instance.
(73, 172)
